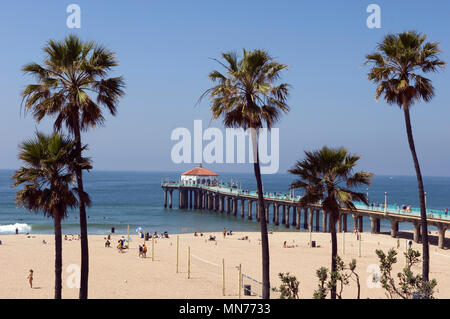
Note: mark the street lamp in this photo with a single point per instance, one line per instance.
(367, 196)
(385, 203)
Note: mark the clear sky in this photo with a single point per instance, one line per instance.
(165, 50)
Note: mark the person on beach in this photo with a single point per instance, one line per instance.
(17, 231)
(140, 251)
(224, 233)
(144, 251)
(355, 230)
(285, 245)
(30, 278)
(446, 212)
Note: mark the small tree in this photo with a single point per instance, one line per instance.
(322, 290)
(338, 279)
(289, 286)
(355, 276)
(409, 285)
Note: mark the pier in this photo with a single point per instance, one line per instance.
(284, 210)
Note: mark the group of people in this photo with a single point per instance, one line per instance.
(225, 233)
(155, 235)
(286, 245)
(121, 244)
(142, 251)
(404, 208)
(72, 237)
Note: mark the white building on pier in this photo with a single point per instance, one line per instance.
(199, 175)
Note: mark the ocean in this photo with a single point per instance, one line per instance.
(136, 199)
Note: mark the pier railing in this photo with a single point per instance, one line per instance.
(230, 190)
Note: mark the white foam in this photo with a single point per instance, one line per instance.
(11, 229)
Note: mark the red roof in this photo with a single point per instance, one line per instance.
(200, 171)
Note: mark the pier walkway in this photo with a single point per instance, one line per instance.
(225, 199)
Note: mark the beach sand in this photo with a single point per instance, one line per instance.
(118, 276)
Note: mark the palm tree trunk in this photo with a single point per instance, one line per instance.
(83, 223)
(58, 256)
(333, 250)
(262, 220)
(423, 212)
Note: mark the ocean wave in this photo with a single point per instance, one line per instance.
(11, 229)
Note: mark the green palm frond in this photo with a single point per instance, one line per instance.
(246, 94)
(72, 84)
(48, 174)
(398, 67)
(326, 176)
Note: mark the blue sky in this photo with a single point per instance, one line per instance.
(165, 50)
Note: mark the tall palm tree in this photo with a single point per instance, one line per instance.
(399, 63)
(326, 176)
(72, 85)
(246, 96)
(46, 178)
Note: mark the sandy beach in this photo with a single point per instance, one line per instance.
(119, 276)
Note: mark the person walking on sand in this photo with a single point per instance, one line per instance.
(30, 278)
(144, 251)
(224, 233)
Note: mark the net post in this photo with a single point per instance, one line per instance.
(343, 242)
(240, 280)
(153, 248)
(310, 236)
(178, 243)
(223, 276)
(359, 245)
(189, 262)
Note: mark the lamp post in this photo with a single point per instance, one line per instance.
(367, 196)
(385, 203)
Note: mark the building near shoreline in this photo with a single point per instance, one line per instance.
(199, 175)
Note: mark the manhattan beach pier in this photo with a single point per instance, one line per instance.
(200, 189)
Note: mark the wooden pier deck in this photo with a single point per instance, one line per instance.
(225, 199)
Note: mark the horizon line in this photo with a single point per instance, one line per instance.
(225, 172)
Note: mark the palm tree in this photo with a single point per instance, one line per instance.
(399, 63)
(47, 177)
(72, 85)
(246, 97)
(326, 177)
